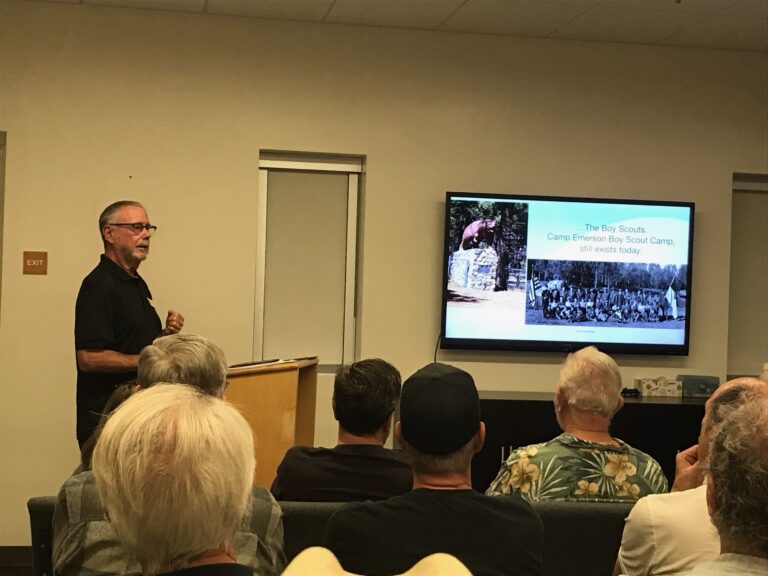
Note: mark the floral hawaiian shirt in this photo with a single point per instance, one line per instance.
(566, 468)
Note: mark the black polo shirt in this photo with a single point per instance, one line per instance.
(113, 312)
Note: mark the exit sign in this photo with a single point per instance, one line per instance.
(35, 262)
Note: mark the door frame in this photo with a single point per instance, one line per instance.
(354, 167)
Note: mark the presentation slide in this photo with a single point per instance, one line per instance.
(557, 270)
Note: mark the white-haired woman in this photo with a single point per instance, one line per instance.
(174, 469)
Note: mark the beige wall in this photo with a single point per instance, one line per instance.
(172, 109)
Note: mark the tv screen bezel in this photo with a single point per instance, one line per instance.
(561, 346)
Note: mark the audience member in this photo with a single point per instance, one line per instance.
(737, 493)
(84, 541)
(440, 428)
(671, 533)
(359, 467)
(584, 463)
(174, 468)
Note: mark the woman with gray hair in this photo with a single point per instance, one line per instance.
(584, 463)
(174, 469)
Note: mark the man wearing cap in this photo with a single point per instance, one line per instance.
(440, 428)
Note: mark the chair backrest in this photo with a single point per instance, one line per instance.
(581, 538)
(41, 525)
(304, 524)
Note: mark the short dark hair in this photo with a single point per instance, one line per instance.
(108, 212)
(365, 394)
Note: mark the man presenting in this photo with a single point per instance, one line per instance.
(114, 316)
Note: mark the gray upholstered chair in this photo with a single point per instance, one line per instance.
(41, 525)
(581, 538)
(304, 524)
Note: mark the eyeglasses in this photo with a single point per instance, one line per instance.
(136, 227)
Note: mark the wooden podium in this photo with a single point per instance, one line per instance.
(278, 401)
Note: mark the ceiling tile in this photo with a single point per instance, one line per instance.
(424, 14)
(305, 10)
(687, 6)
(753, 8)
(174, 5)
(613, 24)
(728, 32)
(518, 17)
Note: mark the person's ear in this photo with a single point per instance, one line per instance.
(106, 233)
(560, 400)
(619, 404)
(711, 496)
(398, 433)
(480, 437)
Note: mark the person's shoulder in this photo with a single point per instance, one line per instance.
(82, 486)
(302, 451)
(667, 504)
(510, 514)
(263, 498)
(354, 514)
(648, 462)
(513, 502)
(379, 453)
(100, 277)
(79, 499)
(378, 508)
(265, 512)
(537, 452)
(79, 478)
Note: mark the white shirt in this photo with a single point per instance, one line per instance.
(668, 534)
(732, 565)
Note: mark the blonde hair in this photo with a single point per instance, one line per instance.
(174, 470)
(591, 381)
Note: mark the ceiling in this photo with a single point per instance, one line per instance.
(720, 24)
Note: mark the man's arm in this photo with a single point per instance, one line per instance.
(106, 361)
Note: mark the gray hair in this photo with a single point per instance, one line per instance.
(590, 381)
(184, 359)
(739, 470)
(742, 390)
(108, 212)
(457, 461)
(174, 469)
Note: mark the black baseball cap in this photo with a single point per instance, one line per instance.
(439, 409)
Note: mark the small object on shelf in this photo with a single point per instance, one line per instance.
(698, 386)
(660, 386)
(631, 393)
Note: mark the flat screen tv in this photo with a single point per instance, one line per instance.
(557, 274)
